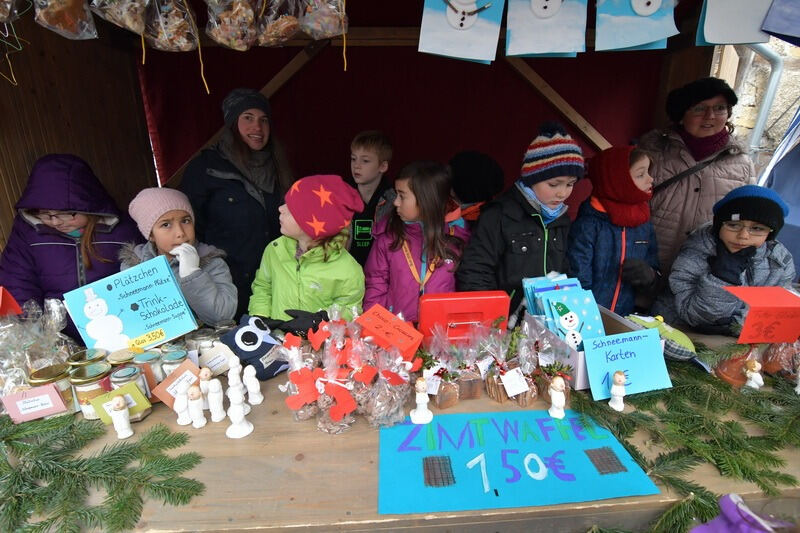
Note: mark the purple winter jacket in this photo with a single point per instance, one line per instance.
(389, 281)
(40, 262)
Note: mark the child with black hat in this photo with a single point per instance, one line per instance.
(477, 178)
(737, 248)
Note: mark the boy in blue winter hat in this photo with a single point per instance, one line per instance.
(737, 248)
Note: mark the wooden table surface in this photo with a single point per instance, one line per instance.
(288, 475)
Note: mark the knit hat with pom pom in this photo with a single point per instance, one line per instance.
(551, 154)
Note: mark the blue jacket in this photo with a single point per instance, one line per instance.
(595, 252)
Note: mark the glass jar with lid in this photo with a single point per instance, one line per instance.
(120, 357)
(172, 360)
(87, 357)
(86, 381)
(132, 374)
(58, 374)
(153, 359)
(194, 339)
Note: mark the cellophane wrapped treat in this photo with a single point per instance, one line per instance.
(9, 10)
(232, 23)
(128, 14)
(386, 400)
(781, 358)
(170, 26)
(324, 19)
(297, 360)
(280, 22)
(68, 18)
(336, 401)
(495, 345)
(470, 382)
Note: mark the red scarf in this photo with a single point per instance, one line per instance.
(612, 186)
(703, 147)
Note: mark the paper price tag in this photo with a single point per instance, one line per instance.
(433, 383)
(514, 382)
(148, 339)
(484, 364)
(182, 383)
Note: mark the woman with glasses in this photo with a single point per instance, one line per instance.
(738, 248)
(67, 232)
(698, 151)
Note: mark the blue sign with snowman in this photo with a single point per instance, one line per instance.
(141, 307)
(573, 315)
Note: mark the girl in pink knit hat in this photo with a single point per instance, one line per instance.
(166, 220)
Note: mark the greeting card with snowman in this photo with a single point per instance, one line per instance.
(545, 27)
(574, 315)
(140, 307)
(464, 29)
(632, 24)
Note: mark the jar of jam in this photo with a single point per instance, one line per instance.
(120, 357)
(172, 360)
(86, 381)
(87, 357)
(132, 374)
(58, 374)
(153, 359)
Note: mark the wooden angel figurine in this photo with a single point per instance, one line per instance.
(254, 396)
(240, 426)
(752, 369)
(121, 417)
(196, 407)
(215, 400)
(558, 400)
(617, 391)
(205, 377)
(421, 414)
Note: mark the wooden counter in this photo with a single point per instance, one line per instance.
(288, 474)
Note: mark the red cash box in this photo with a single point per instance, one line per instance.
(458, 311)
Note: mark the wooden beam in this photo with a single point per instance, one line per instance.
(277, 81)
(365, 36)
(562, 106)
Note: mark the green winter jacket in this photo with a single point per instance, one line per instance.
(308, 283)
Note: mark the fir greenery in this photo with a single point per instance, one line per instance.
(45, 481)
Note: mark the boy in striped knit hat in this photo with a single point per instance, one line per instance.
(523, 233)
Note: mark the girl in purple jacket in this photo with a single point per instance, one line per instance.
(417, 247)
(67, 233)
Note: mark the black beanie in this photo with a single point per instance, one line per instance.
(240, 100)
(476, 177)
(751, 202)
(681, 99)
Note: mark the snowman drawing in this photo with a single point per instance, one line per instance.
(544, 9)
(645, 8)
(105, 329)
(462, 14)
(569, 326)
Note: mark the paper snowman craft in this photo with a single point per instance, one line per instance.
(570, 326)
(645, 8)
(462, 14)
(105, 329)
(253, 345)
(544, 9)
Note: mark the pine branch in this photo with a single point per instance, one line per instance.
(163, 466)
(684, 512)
(176, 490)
(123, 507)
(598, 529)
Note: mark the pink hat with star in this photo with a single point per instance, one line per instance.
(323, 205)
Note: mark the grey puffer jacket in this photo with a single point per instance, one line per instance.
(209, 291)
(680, 208)
(696, 297)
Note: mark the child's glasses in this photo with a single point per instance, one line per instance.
(756, 230)
(701, 110)
(62, 217)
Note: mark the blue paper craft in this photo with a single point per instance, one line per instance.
(462, 29)
(732, 22)
(499, 460)
(142, 307)
(623, 24)
(534, 288)
(655, 45)
(542, 28)
(574, 316)
(783, 21)
(637, 353)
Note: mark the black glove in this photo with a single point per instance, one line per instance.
(271, 323)
(729, 267)
(302, 320)
(638, 273)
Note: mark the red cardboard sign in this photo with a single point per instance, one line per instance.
(773, 316)
(387, 331)
(8, 305)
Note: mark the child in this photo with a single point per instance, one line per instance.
(370, 153)
(523, 233)
(308, 267)
(612, 247)
(737, 248)
(166, 220)
(418, 246)
(67, 233)
(477, 178)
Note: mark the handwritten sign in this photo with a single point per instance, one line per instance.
(136, 400)
(140, 307)
(773, 314)
(638, 353)
(178, 381)
(499, 460)
(387, 331)
(34, 403)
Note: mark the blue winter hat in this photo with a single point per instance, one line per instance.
(751, 202)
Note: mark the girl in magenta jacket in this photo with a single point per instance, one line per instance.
(417, 247)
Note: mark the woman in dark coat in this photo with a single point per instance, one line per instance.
(236, 187)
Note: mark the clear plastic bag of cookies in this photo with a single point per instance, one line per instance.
(280, 21)
(68, 18)
(324, 19)
(170, 26)
(9, 10)
(232, 23)
(127, 14)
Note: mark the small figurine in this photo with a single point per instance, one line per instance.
(205, 376)
(617, 391)
(215, 400)
(196, 407)
(557, 397)
(254, 396)
(121, 417)
(240, 426)
(752, 369)
(421, 414)
(235, 379)
(181, 406)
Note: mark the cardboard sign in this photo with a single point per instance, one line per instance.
(8, 305)
(216, 358)
(638, 353)
(34, 403)
(137, 308)
(150, 378)
(499, 460)
(183, 377)
(457, 312)
(388, 331)
(773, 316)
(133, 397)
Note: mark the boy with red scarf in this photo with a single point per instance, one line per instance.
(612, 244)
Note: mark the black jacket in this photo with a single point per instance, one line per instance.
(511, 243)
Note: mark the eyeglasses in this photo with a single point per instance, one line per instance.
(701, 110)
(756, 230)
(61, 217)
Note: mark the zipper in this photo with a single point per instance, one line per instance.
(546, 234)
(619, 273)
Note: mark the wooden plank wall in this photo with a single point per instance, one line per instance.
(78, 97)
